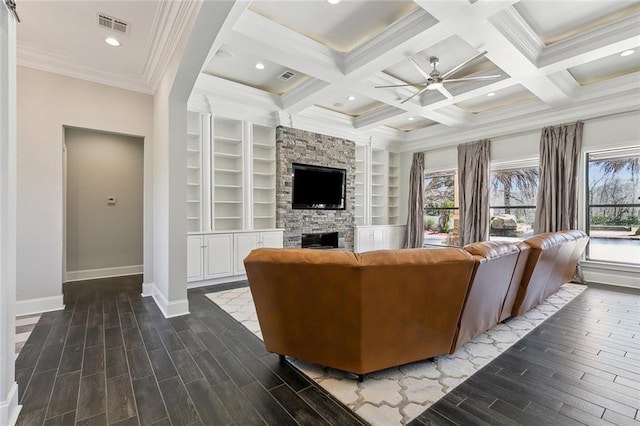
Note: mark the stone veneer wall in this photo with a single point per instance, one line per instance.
(299, 146)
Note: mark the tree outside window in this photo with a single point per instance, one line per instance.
(512, 201)
(440, 209)
(613, 205)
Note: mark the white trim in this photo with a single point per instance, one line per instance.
(169, 309)
(147, 289)
(39, 304)
(216, 281)
(611, 273)
(90, 274)
(10, 409)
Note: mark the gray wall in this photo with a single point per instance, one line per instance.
(294, 145)
(100, 165)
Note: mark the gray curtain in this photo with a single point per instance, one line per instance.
(473, 186)
(557, 203)
(415, 220)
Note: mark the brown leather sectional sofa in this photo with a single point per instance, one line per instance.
(366, 312)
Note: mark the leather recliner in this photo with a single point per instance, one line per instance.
(359, 312)
(497, 274)
(552, 262)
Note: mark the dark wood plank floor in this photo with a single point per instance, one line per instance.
(111, 358)
(581, 366)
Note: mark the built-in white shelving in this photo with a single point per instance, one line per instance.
(360, 192)
(378, 187)
(227, 174)
(264, 177)
(393, 188)
(194, 172)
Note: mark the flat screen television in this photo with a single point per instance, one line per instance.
(316, 187)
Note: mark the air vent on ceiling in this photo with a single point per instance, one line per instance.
(286, 76)
(112, 23)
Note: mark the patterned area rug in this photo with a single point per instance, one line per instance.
(397, 395)
(24, 326)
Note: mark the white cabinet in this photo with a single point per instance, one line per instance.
(218, 255)
(209, 256)
(378, 237)
(195, 250)
(245, 242)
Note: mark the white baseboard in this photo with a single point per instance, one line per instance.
(196, 284)
(147, 289)
(9, 408)
(612, 274)
(169, 309)
(38, 305)
(92, 274)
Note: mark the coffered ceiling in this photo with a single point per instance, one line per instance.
(321, 62)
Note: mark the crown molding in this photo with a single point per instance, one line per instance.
(594, 44)
(373, 119)
(170, 25)
(414, 25)
(515, 29)
(32, 56)
(528, 118)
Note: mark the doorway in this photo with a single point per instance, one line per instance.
(103, 207)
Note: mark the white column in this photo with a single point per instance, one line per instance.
(9, 407)
(169, 155)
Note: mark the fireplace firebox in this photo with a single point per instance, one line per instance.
(322, 240)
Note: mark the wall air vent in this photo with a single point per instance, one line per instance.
(286, 76)
(112, 23)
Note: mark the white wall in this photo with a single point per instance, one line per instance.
(103, 235)
(46, 103)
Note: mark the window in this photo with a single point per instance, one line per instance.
(613, 205)
(440, 209)
(512, 202)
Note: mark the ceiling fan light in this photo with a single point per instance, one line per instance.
(434, 86)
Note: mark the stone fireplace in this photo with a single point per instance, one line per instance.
(299, 146)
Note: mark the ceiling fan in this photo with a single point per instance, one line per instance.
(435, 81)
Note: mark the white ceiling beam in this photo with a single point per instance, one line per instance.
(283, 41)
(375, 118)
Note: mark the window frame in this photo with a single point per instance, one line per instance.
(610, 153)
(513, 165)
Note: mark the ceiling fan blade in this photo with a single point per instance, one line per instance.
(446, 93)
(420, 70)
(415, 94)
(480, 78)
(451, 71)
(399, 85)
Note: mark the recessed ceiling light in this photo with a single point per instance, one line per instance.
(112, 41)
(491, 94)
(410, 118)
(338, 105)
(260, 66)
(351, 98)
(628, 52)
(333, 1)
